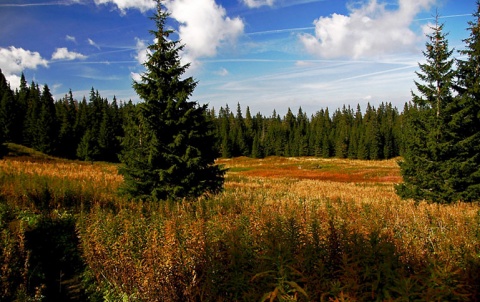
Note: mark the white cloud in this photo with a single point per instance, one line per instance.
(71, 39)
(370, 30)
(14, 60)
(123, 5)
(14, 80)
(428, 28)
(92, 43)
(137, 77)
(64, 54)
(204, 27)
(142, 51)
(258, 3)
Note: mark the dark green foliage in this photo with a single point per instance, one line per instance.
(9, 116)
(463, 166)
(169, 145)
(375, 135)
(45, 139)
(4, 90)
(91, 129)
(442, 159)
(109, 132)
(87, 149)
(66, 114)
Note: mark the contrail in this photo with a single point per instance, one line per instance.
(445, 17)
(51, 3)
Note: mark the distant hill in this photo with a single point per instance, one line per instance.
(22, 153)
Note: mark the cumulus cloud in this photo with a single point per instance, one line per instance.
(64, 54)
(204, 27)
(14, 60)
(123, 5)
(258, 3)
(370, 30)
(142, 51)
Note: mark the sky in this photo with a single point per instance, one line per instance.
(264, 54)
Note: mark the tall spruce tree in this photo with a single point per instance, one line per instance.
(47, 128)
(169, 146)
(425, 168)
(464, 126)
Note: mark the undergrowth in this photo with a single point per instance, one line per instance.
(66, 235)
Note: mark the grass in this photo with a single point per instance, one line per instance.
(338, 170)
(284, 229)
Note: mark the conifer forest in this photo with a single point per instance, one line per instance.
(91, 129)
(169, 200)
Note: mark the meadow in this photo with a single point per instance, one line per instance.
(284, 229)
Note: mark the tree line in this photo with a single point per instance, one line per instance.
(86, 130)
(92, 129)
(168, 143)
(347, 133)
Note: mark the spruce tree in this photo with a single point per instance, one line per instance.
(424, 167)
(4, 89)
(169, 146)
(47, 127)
(66, 111)
(463, 168)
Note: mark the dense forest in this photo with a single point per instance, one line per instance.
(91, 129)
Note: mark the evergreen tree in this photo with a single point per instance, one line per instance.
(169, 148)
(66, 112)
(31, 127)
(301, 133)
(223, 133)
(425, 168)
(463, 168)
(326, 142)
(46, 130)
(372, 142)
(4, 89)
(108, 133)
(81, 121)
(341, 121)
(19, 116)
(12, 113)
(88, 148)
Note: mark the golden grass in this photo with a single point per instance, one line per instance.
(101, 175)
(338, 170)
(361, 195)
(270, 207)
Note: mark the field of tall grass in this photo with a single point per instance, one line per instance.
(284, 229)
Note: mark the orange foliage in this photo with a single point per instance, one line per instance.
(338, 170)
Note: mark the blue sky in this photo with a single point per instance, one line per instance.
(265, 54)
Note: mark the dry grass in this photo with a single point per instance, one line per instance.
(290, 228)
(101, 177)
(338, 170)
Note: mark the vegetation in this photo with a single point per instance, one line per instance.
(305, 229)
(285, 228)
(92, 129)
(442, 155)
(169, 146)
(424, 165)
